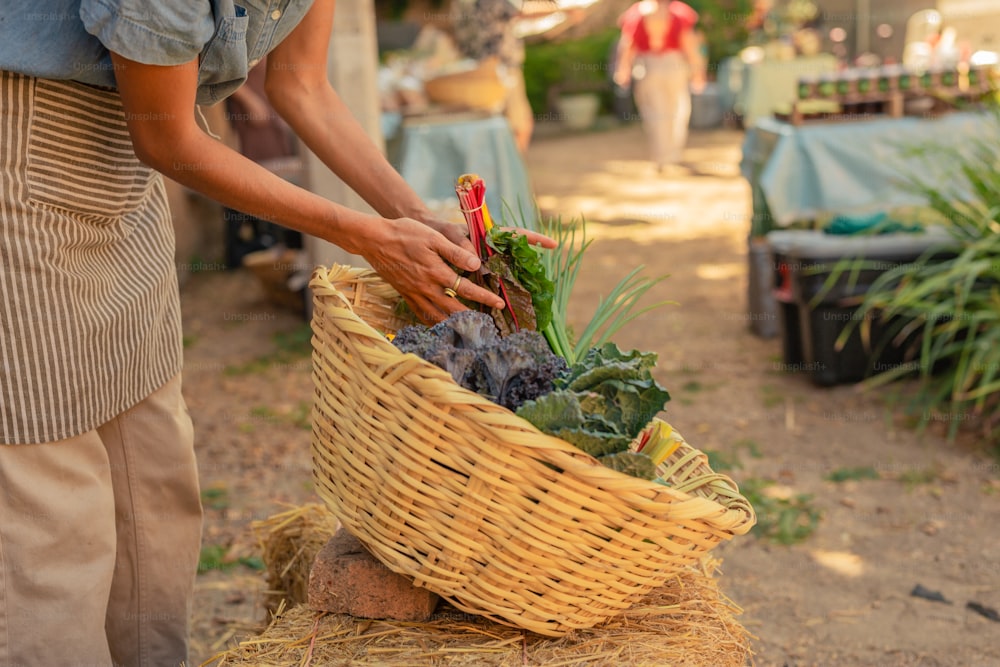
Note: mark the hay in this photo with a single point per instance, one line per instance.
(289, 542)
(687, 623)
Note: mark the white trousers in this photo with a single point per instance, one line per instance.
(663, 98)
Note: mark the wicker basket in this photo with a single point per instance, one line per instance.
(474, 503)
(479, 88)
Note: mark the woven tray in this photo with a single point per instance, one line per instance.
(479, 88)
(474, 503)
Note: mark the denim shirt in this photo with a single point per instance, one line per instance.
(71, 39)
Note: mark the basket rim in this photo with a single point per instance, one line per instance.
(735, 517)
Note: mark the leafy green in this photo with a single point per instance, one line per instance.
(529, 271)
(602, 403)
(553, 411)
(563, 264)
(607, 362)
(633, 404)
(497, 275)
(629, 395)
(507, 370)
(635, 464)
(595, 443)
(560, 413)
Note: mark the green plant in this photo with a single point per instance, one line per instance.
(946, 305)
(721, 461)
(914, 477)
(723, 24)
(856, 473)
(614, 311)
(579, 65)
(216, 557)
(291, 348)
(215, 497)
(771, 396)
(781, 519)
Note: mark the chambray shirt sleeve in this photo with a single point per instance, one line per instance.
(161, 32)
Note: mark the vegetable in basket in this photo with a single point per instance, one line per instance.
(511, 267)
(601, 405)
(508, 370)
(605, 400)
(562, 265)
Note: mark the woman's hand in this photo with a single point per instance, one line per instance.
(459, 233)
(429, 261)
(454, 232)
(421, 263)
(534, 238)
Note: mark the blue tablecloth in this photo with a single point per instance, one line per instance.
(808, 172)
(432, 153)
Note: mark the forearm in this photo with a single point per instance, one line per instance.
(207, 166)
(691, 48)
(623, 63)
(416, 259)
(324, 123)
(159, 106)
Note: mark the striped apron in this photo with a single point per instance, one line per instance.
(89, 308)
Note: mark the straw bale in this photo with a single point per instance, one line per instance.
(686, 623)
(289, 542)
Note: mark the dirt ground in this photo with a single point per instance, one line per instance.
(841, 596)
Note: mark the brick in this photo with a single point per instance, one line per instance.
(346, 579)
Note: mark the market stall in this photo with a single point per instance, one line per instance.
(428, 150)
(812, 172)
(843, 177)
(753, 90)
(443, 115)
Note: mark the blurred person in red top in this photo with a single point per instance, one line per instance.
(659, 54)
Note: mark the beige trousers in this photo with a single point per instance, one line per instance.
(663, 98)
(99, 542)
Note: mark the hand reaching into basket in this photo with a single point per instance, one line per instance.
(424, 262)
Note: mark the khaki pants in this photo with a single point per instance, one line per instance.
(99, 542)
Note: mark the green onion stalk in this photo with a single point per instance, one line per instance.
(562, 265)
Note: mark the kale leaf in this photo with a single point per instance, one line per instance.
(614, 393)
(509, 370)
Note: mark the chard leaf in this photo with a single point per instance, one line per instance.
(528, 270)
(501, 280)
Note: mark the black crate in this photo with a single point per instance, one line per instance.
(779, 270)
(817, 308)
(857, 358)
